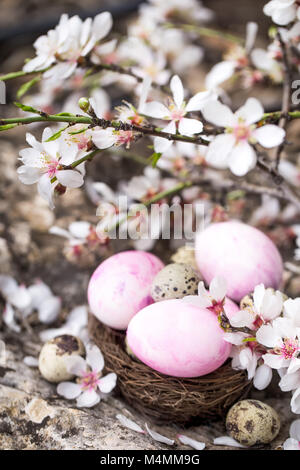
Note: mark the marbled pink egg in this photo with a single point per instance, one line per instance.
(120, 287)
(178, 338)
(242, 254)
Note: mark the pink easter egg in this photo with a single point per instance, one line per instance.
(240, 253)
(178, 338)
(121, 285)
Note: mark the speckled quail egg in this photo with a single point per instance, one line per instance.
(175, 281)
(185, 255)
(52, 357)
(252, 422)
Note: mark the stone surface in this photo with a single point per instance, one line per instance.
(32, 416)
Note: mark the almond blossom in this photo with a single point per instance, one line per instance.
(175, 112)
(267, 305)
(90, 384)
(234, 149)
(283, 339)
(43, 164)
(293, 442)
(213, 299)
(79, 40)
(282, 11)
(236, 59)
(21, 301)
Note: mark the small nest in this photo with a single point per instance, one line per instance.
(165, 398)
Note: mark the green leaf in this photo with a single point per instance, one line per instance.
(154, 158)
(77, 132)
(26, 86)
(236, 194)
(28, 109)
(247, 340)
(5, 127)
(57, 134)
(65, 114)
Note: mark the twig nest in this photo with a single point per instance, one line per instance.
(121, 285)
(241, 254)
(52, 357)
(252, 422)
(174, 281)
(186, 255)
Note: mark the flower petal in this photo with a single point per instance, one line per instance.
(107, 383)
(295, 401)
(69, 390)
(190, 126)
(128, 423)
(104, 138)
(218, 114)
(251, 112)
(242, 159)
(227, 441)
(49, 309)
(159, 437)
(262, 377)
(218, 288)
(199, 100)
(220, 73)
(88, 399)
(242, 318)
(70, 178)
(295, 430)
(191, 442)
(269, 135)
(94, 357)
(177, 90)
(219, 149)
(156, 110)
(75, 365)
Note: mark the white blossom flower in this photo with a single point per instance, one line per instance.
(267, 212)
(293, 442)
(290, 172)
(146, 61)
(175, 112)
(90, 382)
(75, 325)
(245, 358)
(78, 233)
(232, 149)
(265, 61)
(282, 12)
(236, 59)
(267, 305)
(213, 299)
(283, 339)
(25, 300)
(80, 39)
(292, 310)
(48, 46)
(43, 161)
(106, 138)
(189, 9)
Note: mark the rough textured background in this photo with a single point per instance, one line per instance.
(27, 252)
(52, 423)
